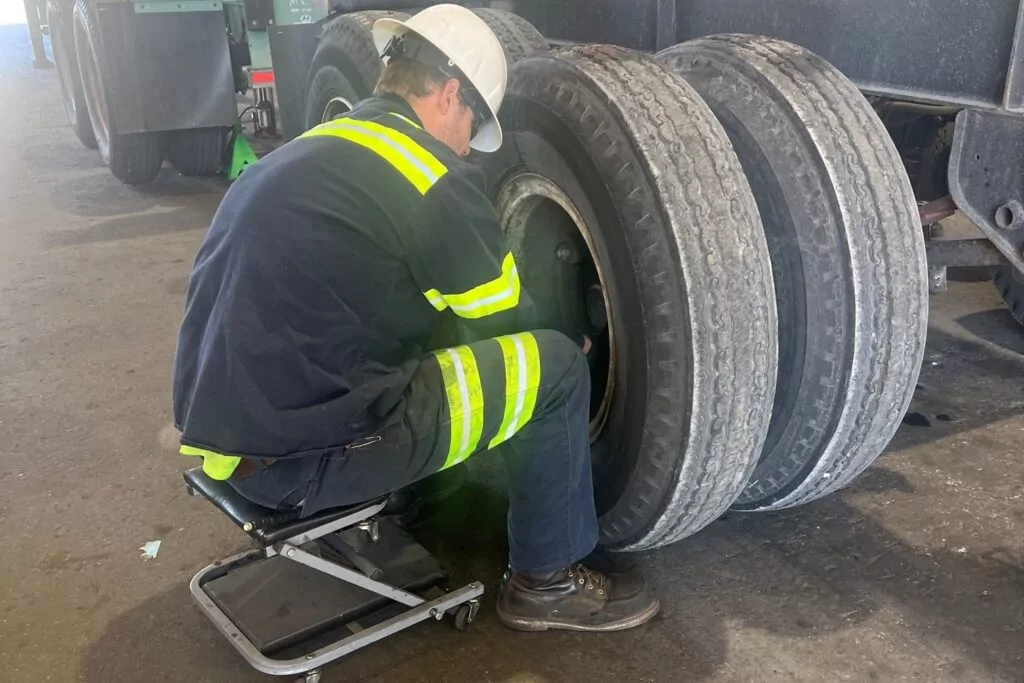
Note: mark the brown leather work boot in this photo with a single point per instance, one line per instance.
(575, 599)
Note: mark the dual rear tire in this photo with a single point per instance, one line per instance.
(630, 155)
(847, 252)
(745, 218)
(133, 158)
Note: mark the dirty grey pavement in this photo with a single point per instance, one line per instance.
(913, 574)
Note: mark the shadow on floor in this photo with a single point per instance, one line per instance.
(997, 326)
(797, 574)
(100, 195)
(128, 227)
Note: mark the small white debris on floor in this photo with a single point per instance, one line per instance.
(149, 550)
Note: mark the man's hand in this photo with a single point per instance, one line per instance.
(586, 344)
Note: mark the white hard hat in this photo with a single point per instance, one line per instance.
(470, 45)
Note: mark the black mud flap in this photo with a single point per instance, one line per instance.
(166, 70)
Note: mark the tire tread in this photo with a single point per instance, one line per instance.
(520, 38)
(198, 152)
(350, 35)
(717, 247)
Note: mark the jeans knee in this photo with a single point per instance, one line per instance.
(563, 358)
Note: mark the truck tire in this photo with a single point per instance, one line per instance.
(519, 37)
(847, 252)
(60, 19)
(197, 153)
(1011, 287)
(615, 175)
(133, 158)
(345, 66)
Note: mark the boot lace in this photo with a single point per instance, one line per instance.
(589, 578)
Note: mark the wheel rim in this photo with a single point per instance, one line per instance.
(556, 256)
(334, 108)
(93, 88)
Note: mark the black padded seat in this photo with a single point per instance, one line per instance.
(266, 525)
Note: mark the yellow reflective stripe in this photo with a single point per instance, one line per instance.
(522, 379)
(465, 402)
(476, 401)
(500, 294)
(425, 158)
(435, 299)
(417, 165)
(215, 465)
(382, 146)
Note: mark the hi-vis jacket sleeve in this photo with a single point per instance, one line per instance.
(461, 261)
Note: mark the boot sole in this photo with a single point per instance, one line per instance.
(524, 624)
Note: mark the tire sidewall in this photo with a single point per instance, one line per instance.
(532, 136)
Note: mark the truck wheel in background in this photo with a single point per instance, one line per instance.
(345, 66)
(198, 152)
(133, 158)
(847, 253)
(519, 37)
(62, 37)
(631, 221)
(1011, 288)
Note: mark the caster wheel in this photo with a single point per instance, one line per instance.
(309, 677)
(465, 615)
(371, 530)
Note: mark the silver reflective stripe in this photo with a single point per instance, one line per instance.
(467, 408)
(521, 394)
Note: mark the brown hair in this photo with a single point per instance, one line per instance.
(407, 78)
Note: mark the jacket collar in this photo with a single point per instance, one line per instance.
(391, 103)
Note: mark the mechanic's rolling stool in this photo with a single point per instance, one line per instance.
(318, 588)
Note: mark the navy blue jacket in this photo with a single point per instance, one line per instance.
(309, 304)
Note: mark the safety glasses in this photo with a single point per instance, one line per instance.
(470, 98)
(418, 50)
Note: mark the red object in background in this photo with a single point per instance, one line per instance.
(262, 78)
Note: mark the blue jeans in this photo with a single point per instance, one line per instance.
(552, 522)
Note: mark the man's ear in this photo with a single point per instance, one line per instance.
(449, 95)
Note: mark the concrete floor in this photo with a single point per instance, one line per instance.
(916, 573)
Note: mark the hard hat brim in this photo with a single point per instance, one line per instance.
(488, 138)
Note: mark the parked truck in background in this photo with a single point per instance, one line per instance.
(739, 207)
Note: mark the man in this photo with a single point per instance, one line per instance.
(300, 374)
